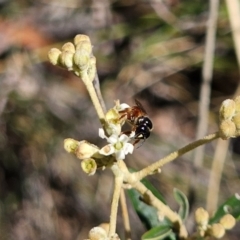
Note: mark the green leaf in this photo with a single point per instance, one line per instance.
(231, 206)
(150, 187)
(146, 213)
(154, 191)
(157, 233)
(182, 200)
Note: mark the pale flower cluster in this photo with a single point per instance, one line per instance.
(119, 143)
(117, 147)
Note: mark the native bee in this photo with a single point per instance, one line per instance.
(141, 124)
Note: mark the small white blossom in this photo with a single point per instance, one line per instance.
(122, 106)
(118, 145)
(115, 129)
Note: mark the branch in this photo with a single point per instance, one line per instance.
(155, 166)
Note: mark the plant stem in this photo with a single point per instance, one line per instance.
(96, 86)
(125, 215)
(91, 90)
(207, 72)
(216, 174)
(155, 166)
(116, 194)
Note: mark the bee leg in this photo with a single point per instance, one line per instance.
(137, 141)
(126, 132)
(123, 116)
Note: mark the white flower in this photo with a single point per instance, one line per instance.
(118, 145)
(122, 106)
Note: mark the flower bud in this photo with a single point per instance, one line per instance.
(216, 230)
(105, 226)
(86, 150)
(112, 116)
(67, 59)
(53, 56)
(84, 45)
(97, 233)
(68, 47)
(201, 217)
(80, 37)
(237, 102)
(92, 68)
(89, 166)
(236, 120)
(70, 145)
(227, 109)
(228, 221)
(81, 59)
(227, 129)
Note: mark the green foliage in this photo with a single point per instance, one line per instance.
(147, 214)
(158, 233)
(182, 200)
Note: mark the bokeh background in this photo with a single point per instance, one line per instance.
(149, 50)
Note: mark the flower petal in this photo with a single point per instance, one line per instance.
(128, 148)
(120, 155)
(124, 138)
(123, 106)
(113, 139)
(101, 133)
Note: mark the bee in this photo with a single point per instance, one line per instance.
(141, 124)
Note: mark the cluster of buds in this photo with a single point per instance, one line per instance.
(216, 230)
(117, 148)
(230, 118)
(76, 57)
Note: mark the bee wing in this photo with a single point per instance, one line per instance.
(140, 106)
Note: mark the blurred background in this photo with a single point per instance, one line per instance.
(149, 50)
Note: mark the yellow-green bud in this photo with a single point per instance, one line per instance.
(89, 166)
(201, 217)
(70, 145)
(216, 230)
(85, 150)
(92, 61)
(92, 68)
(228, 221)
(67, 59)
(236, 120)
(68, 47)
(237, 102)
(53, 56)
(97, 233)
(84, 45)
(227, 129)
(81, 59)
(105, 226)
(80, 37)
(112, 116)
(227, 109)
